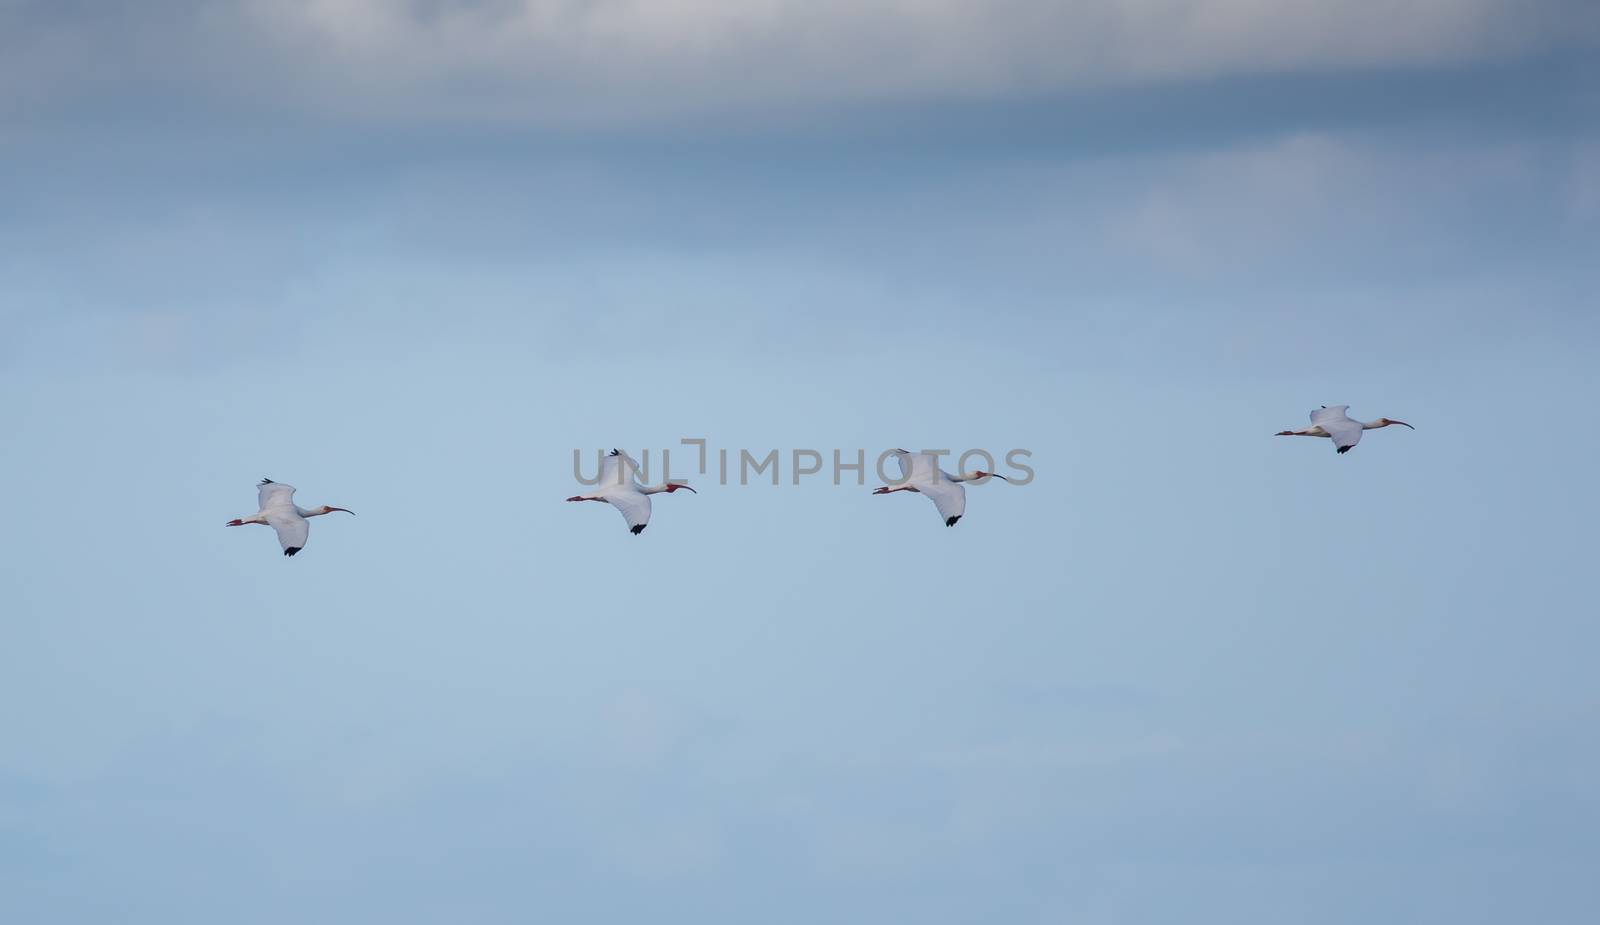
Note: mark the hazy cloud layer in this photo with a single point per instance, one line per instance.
(603, 61)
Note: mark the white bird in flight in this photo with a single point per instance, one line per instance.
(1331, 421)
(921, 474)
(619, 488)
(279, 512)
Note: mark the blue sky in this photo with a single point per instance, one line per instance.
(407, 257)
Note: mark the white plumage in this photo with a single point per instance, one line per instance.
(279, 512)
(1331, 421)
(921, 473)
(619, 487)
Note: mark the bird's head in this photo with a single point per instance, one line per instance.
(978, 475)
(674, 486)
(1386, 422)
(329, 509)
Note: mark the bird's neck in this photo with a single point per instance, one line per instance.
(654, 489)
(314, 512)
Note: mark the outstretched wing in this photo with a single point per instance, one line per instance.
(1345, 433)
(617, 469)
(275, 494)
(292, 529)
(635, 508)
(949, 497)
(1334, 422)
(918, 468)
(1329, 414)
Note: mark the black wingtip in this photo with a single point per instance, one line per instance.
(1343, 449)
(292, 550)
(637, 529)
(614, 452)
(951, 521)
(265, 482)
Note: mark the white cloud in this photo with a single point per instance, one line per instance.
(1585, 184)
(567, 59)
(1311, 199)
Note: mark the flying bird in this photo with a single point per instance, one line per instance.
(1331, 421)
(619, 488)
(279, 512)
(921, 474)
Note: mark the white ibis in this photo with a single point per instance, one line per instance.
(923, 475)
(279, 512)
(1331, 421)
(621, 490)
